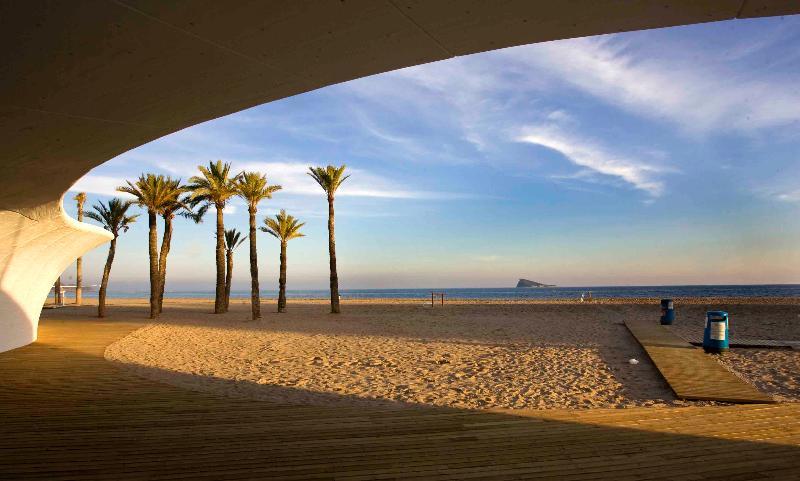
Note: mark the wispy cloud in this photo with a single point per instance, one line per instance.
(595, 158)
(467, 97)
(100, 185)
(294, 178)
(696, 96)
(779, 193)
(789, 196)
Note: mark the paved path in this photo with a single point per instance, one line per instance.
(66, 413)
(691, 373)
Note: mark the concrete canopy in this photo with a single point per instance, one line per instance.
(82, 82)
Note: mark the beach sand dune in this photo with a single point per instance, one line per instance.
(516, 356)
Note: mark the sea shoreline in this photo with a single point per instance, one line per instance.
(744, 300)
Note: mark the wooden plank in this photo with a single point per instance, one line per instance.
(691, 373)
(739, 342)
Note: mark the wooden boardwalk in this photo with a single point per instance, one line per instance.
(691, 373)
(697, 340)
(66, 413)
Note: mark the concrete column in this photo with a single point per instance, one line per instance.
(36, 245)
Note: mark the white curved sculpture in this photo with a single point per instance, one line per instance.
(36, 245)
(82, 82)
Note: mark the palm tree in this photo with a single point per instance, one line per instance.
(154, 193)
(182, 207)
(215, 186)
(80, 198)
(233, 239)
(115, 219)
(167, 213)
(285, 228)
(330, 178)
(253, 188)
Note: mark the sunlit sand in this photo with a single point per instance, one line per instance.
(406, 353)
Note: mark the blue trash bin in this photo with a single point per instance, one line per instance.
(667, 312)
(715, 335)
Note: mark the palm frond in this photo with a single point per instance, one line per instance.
(113, 216)
(283, 226)
(253, 188)
(153, 192)
(194, 215)
(214, 185)
(329, 178)
(233, 239)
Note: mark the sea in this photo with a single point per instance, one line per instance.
(509, 293)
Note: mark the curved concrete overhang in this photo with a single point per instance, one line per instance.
(81, 82)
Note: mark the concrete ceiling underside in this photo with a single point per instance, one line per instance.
(83, 81)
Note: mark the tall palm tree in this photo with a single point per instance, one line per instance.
(167, 213)
(215, 186)
(233, 239)
(181, 206)
(154, 193)
(115, 219)
(330, 178)
(80, 198)
(285, 228)
(253, 188)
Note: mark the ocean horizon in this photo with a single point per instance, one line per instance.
(500, 293)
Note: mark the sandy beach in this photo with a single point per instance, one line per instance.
(475, 355)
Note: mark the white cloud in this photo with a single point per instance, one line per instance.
(100, 185)
(789, 196)
(294, 178)
(698, 96)
(595, 158)
(780, 194)
(560, 116)
(459, 94)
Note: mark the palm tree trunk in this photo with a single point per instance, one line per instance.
(101, 301)
(79, 266)
(57, 292)
(166, 241)
(219, 298)
(255, 299)
(332, 254)
(79, 281)
(228, 277)
(153, 251)
(282, 280)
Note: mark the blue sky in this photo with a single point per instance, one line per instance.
(667, 156)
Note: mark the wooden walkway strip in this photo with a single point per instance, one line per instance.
(691, 373)
(66, 413)
(697, 340)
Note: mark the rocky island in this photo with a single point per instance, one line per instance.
(527, 283)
